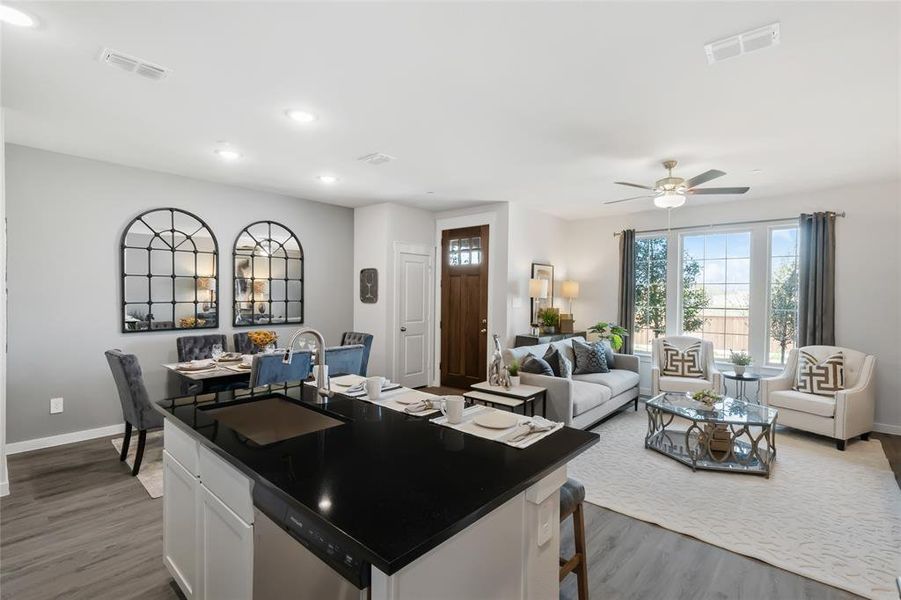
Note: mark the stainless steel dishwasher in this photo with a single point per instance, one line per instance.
(287, 563)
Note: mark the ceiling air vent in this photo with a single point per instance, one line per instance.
(134, 65)
(376, 158)
(743, 43)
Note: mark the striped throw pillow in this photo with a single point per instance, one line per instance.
(824, 377)
(685, 363)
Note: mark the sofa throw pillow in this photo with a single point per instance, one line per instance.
(590, 358)
(536, 365)
(559, 363)
(611, 359)
(686, 363)
(824, 377)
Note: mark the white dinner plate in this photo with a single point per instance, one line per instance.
(410, 398)
(496, 419)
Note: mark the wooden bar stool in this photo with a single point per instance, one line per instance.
(572, 494)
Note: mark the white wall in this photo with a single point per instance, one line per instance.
(376, 229)
(66, 216)
(867, 281)
(4, 477)
(535, 237)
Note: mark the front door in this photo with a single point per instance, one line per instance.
(414, 310)
(464, 306)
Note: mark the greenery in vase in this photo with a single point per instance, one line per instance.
(741, 359)
(191, 322)
(548, 317)
(611, 332)
(513, 368)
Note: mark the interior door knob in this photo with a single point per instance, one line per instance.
(403, 328)
(483, 331)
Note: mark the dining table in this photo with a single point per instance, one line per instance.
(218, 377)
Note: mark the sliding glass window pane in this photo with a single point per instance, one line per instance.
(782, 316)
(650, 291)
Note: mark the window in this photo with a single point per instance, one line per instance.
(650, 291)
(782, 319)
(466, 251)
(716, 289)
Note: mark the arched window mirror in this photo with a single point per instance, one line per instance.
(268, 261)
(169, 272)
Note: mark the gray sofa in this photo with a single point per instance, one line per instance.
(585, 399)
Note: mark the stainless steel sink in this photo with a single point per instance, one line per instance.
(273, 419)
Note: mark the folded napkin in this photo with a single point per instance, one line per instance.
(419, 407)
(196, 365)
(529, 431)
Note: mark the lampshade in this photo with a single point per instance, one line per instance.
(570, 289)
(538, 288)
(259, 287)
(669, 199)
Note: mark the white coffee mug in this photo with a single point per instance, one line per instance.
(452, 408)
(373, 387)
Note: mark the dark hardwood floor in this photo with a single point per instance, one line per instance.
(78, 526)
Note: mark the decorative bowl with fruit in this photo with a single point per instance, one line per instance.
(707, 398)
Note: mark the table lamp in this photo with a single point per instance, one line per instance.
(537, 291)
(571, 291)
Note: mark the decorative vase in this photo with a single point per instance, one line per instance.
(549, 330)
(514, 380)
(740, 369)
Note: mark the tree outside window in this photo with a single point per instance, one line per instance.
(784, 283)
(650, 291)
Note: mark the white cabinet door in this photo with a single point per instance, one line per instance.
(226, 550)
(180, 536)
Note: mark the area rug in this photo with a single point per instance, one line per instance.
(151, 473)
(827, 515)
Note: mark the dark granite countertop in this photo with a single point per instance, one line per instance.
(391, 486)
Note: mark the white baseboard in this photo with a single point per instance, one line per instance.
(886, 428)
(64, 438)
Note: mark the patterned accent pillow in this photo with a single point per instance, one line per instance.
(559, 363)
(823, 378)
(686, 363)
(590, 358)
(537, 366)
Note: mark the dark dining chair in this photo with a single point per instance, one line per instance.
(269, 368)
(352, 338)
(136, 408)
(244, 345)
(198, 347)
(345, 360)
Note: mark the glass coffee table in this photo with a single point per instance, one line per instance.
(731, 436)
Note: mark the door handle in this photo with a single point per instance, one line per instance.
(483, 331)
(403, 328)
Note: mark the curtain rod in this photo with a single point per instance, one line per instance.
(617, 233)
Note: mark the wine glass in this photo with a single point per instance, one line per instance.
(216, 351)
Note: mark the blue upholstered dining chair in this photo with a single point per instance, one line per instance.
(351, 338)
(136, 407)
(198, 347)
(269, 368)
(244, 345)
(345, 360)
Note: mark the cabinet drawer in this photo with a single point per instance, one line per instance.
(181, 446)
(229, 484)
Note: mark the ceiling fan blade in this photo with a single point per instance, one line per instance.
(703, 178)
(729, 190)
(626, 199)
(638, 185)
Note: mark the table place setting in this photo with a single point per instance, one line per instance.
(196, 366)
(518, 431)
(363, 388)
(380, 391)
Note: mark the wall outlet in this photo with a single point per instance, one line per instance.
(56, 405)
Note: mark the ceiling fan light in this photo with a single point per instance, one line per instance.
(669, 199)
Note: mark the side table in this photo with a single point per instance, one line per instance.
(741, 382)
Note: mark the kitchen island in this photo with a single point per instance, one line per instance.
(392, 505)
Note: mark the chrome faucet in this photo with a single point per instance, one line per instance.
(322, 379)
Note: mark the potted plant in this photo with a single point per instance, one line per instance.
(513, 371)
(740, 361)
(610, 332)
(548, 317)
(707, 398)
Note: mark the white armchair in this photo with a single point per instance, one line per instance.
(712, 379)
(848, 414)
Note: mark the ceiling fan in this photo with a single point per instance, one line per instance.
(670, 191)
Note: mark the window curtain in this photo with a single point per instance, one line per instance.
(816, 304)
(626, 316)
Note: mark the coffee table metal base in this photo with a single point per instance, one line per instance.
(743, 448)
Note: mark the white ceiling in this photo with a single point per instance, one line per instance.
(545, 104)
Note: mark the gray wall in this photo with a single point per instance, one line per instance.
(66, 216)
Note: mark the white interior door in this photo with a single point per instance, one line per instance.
(414, 316)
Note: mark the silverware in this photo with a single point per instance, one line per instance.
(532, 429)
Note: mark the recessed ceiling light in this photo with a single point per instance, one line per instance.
(227, 154)
(756, 171)
(328, 179)
(16, 17)
(301, 116)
